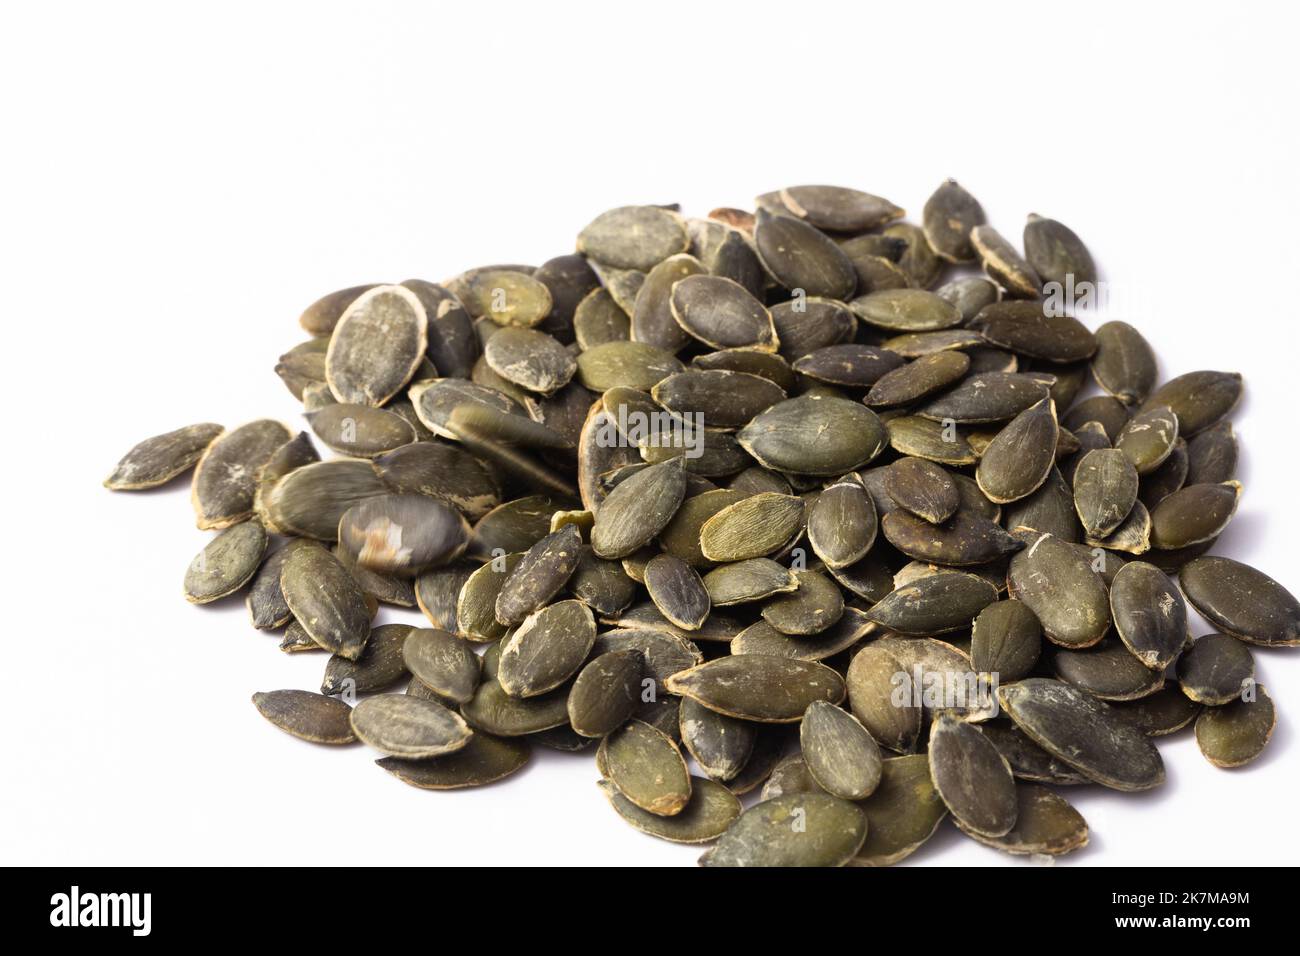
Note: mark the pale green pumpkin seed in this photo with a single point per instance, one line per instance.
(157, 460)
(408, 727)
(633, 237)
(376, 346)
(710, 811)
(226, 564)
(759, 687)
(905, 310)
(646, 767)
(903, 813)
(1046, 824)
(546, 649)
(606, 693)
(751, 580)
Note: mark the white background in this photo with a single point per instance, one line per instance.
(179, 181)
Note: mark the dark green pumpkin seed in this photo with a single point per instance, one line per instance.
(408, 727)
(816, 605)
(307, 716)
(326, 601)
(905, 310)
(530, 359)
(647, 768)
(546, 649)
(663, 652)
(940, 442)
(634, 237)
(1215, 669)
(1046, 824)
(903, 813)
(1060, 586)
(360, 430)
(972, 778)
(1235, 734)
(837, 208)
(225, 478)
(798, 256)
(638, 509)
(493, 711)
(484, 759)
(842, 524)
(1057, 254)
(1212, 456)
(918, 260)
(632, 364)
(925, 375)
(726, 399)
(872, 681)
(712, 808)
(1107, 671)
(721, 745)
(379, 667)
(798, 829)
(1027, 760)
(1200, 400)
(507, 297)
(851, 365)
(970, 294)
(1148, 438)
(1021, 457)
(1004, 263)
(309, 501)
(1105, 489)
(1022, 327)
(1124, 365)
(227, 563)
(1083, 732)
(441, 471)
(722, 314)
(814, 436)
(936, 604)
(321, 316)
(1006, 640)
(1166, 711)
(541, 574)
(1241, 601)
(652, 316)
(442, 662)
(1195, 514)
(922, 488)
(963, 540)
(841, 756)
(805, 325)
(1149, 613)
(606, 693)
(677, 591)
(948, 218)
(750, 580)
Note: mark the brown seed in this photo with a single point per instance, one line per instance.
(307, 716)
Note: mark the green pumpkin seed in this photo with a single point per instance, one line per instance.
(408, 727)
(798, 829)
(516, 525)
(530, 359)
(600, 584)
(359, 430)
(1046, 824)
(646, 767)
(652, 316)
(599, 320)
(307, 716)
(453, 345)
(493, 711)
(925, 375)
(1241, 601)
(842, 524)
(376, 346)
(963, 540)
(1124, 364)
(936, 441)
(903, 813)
(1006, 640)
(1133, 536)
(379, 667)
(442, 662)
(710, 811)
(634, 237)
(923, 489)
(916, 344)
(507, 297)
(1235, 734)
(762, 638)
(851, 365)
(918, 260)
(905, 310)
(970, 294)
(440, 471)
(1148, 438)
(663, 652)
(310, 501)
(814, 436)
(1022, 327)
(1212, 456)
(1107, 671)
(799, 256)
(790, 776)
(766, 365)
(157, 460)
(402, 534)
(1105, 489)
(266, 605)
(1004, 263)
(753, 527)
(1199, 400)
(936, 604)
(1149, 613)
(677, 591)
(1083, 732)
(987, 397)
(1057, 254)
(841, 756)
(722, 314)
(540, 575)
(721, 745)
(1195, 514)
(1060, 586)
(872, 682)
(814, 607)
(972, 778)
(606, 693)
(1107, 411)
(803, 326)
(751, 580)
(321, 316)
(638, 509)
(758, 687)
(326, 601)
(225, 478)
(726, 399)
(631, 364)
(1157, 715)
(483, 760)
(1019, 459)
(546, 649)
(948, 218)
(837, 208)
(296, 639)
(1215, 669)
(226, 564)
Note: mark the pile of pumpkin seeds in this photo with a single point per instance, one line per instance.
(796, 506)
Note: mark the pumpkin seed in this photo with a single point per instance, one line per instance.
(541, 574)
(483, 760)
(798, 829)
(903, 813)
(1149, 613)
(599, 320)
(321, 316)
(1006, 640)
(1004, 263)
(852, 365)
(442, 662)
(923, 489)
(969, 294)
(307, 716)
(1241, 601)
(677, 591)
(841, 756)
(1063, 590)
(1083, 732)
(1235, 734)
(646, 767)
(1195, 514)
(948, 218)
(972, 778)
(756, 526)
(311, 500)
(837, 208)
(1124, 364)
(440, 471)
(726, 399)
(710, 811)
(530, 359)
(652, 316)
(408, 727)
(750, 580)
(606, 693)
(1199, 400)
(1105, 489)
(1027, 760)
(225, 477)
(326, 601)
(905, 310)
(722, 314)
(923, 376)
(816, 605)
(803, 326)
(157, 460)
(1022, 327)
(638, 509)
(600, 584)
(266, 605)
(546, 649)
(402, 534)
(633, 237)
(799, 256)
(379, 667)
(631, 364)
(1215, 669)
(1166, 711)
(947, 601)
(721, 745)
(762, 638)
(813, 435)
(842, 524)
(453, 345)
(1021, 457)
(376, 346)
(872, 681)
(937, 441)
(758, 687)
(1107, 671)
(1045, 824)
(226, 564)
(493, 711)
(1148, 438)
(1212, 456)
(1057, 254)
